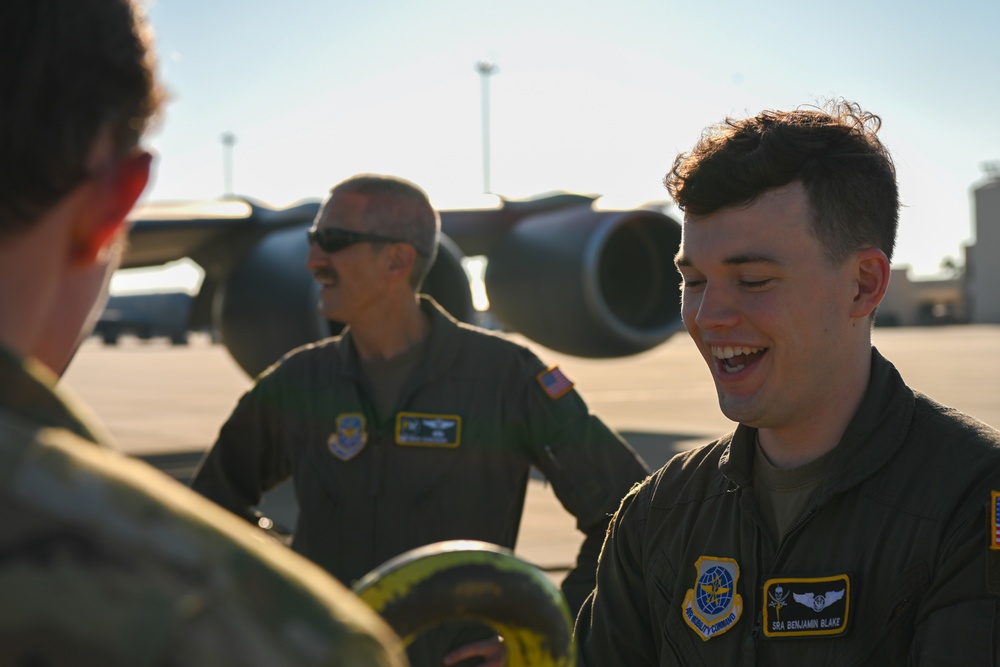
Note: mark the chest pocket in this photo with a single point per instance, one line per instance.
(885, 637)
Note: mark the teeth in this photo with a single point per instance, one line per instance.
(730, 352)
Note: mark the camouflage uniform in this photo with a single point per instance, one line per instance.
(105, 561)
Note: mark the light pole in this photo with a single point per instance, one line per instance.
(228, 141)
(486, 69)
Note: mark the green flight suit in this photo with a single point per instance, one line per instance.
(891, 565)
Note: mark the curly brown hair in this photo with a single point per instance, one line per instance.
(833, 151)
(69, 70)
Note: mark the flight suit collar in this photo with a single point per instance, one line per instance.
(872, 438)
(28, 389)
(442, 347)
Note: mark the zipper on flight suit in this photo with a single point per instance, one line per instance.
(750, 646)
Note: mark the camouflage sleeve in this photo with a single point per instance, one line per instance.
(104, 560)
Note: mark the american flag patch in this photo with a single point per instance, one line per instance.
(995, 521)
(554, 382)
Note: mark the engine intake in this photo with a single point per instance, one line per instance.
(587, 282)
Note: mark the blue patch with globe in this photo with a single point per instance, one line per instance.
(351, 436)
(713, 606)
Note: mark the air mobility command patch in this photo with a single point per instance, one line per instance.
(713, 606)
(423, 430)
(351, 436)
(806, 607)
(554, 383)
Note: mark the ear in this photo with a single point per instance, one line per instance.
(402, 256)
(872, 279)
(112, 195)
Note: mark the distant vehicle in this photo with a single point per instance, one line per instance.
(146, 316)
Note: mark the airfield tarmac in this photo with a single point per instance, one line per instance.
(167, 403)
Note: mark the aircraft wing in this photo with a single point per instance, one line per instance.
(560, 270)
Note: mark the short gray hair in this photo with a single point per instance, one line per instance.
(398, 208)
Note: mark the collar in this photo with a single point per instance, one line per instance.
(28, 390)
(442, 345)
(873, 436)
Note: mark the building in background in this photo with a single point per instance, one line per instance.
(972, 293)
(982, 259)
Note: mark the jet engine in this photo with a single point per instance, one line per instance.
(574, 278)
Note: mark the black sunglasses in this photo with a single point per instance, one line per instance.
(331, 239)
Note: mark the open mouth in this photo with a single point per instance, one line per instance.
(325, 278)
(735, 359)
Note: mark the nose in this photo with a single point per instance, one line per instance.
(712, 308)
(315, 258)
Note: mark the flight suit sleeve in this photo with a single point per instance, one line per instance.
(590, 467)
(959, 620)
(613, 627)
(249, 457)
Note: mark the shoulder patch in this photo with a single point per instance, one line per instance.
(806, 607)
(994, 515)
(993, 555)
(713, 606)
(554, 383)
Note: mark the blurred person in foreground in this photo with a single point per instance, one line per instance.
(104, 560)
(411, 428)
(849, 519)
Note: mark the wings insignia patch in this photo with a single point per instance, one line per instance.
(813, 614)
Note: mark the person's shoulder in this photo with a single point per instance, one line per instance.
(496, 347)
(947, 450)
(304, 359)
(691, 475)
(934, 424)
(113, 517)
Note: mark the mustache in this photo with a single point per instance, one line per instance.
(325, 274)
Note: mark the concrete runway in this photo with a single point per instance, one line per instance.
(167, 403)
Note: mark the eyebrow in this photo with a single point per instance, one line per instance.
(735, 260)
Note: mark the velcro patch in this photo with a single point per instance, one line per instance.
(806, 607)
(993, 557)
(995, 520)
(424, 430)
(351, 436)
(554, 382)
(713, 606)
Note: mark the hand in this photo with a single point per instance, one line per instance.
(492, 651)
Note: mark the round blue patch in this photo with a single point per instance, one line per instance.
(715, 590)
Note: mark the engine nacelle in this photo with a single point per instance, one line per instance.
(587, 282)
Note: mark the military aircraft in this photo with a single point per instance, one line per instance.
(560, 270)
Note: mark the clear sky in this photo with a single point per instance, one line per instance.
(593, 97)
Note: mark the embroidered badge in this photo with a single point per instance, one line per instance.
(351, 436)
(414, 428)
(993, 555)
(995, 520)
(554, 382)
(806, 607)
(713, 606)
